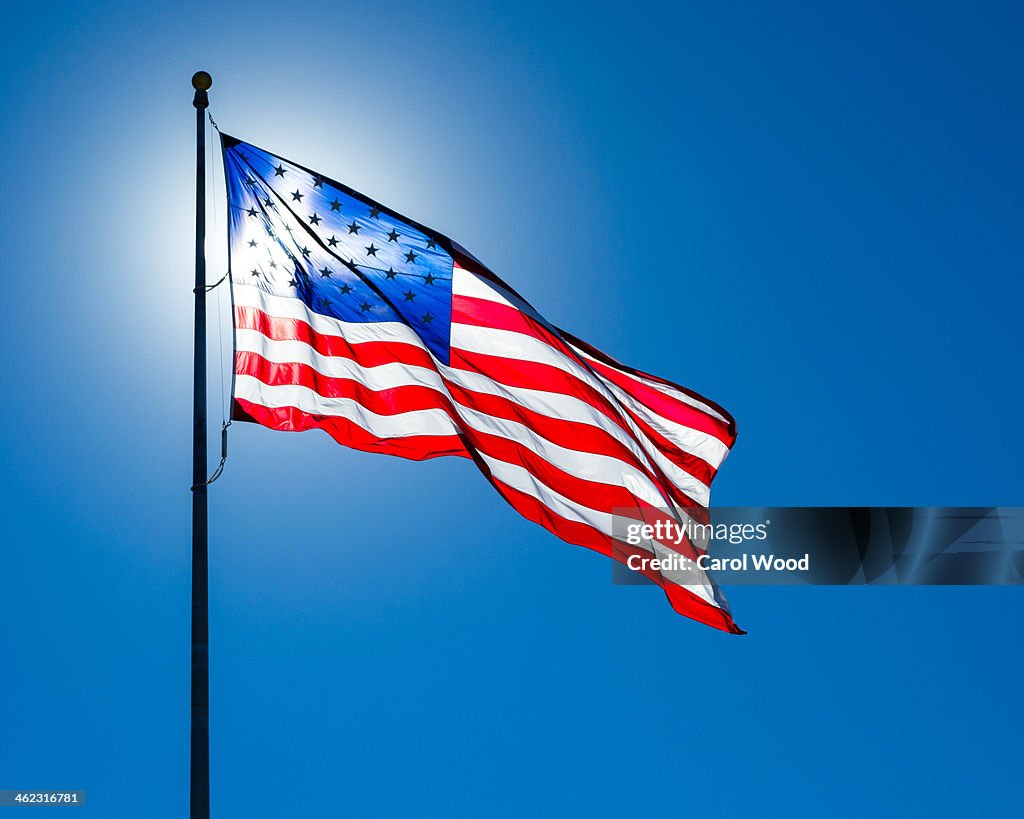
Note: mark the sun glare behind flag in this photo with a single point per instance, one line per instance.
(391, 338)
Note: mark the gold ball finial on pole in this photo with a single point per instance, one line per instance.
(201, 81)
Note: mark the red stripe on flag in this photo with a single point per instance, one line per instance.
(292, 419)
(533, 375)
(393, 401)
(666, 406)
(367, 353)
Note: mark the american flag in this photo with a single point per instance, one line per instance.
(390, 337)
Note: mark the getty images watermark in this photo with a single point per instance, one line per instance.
(821, 545)
(688, 545)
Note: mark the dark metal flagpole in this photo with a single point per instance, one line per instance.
(199, 783)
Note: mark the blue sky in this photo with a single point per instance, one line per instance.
(811, 216)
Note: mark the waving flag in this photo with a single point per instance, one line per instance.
(391, 338)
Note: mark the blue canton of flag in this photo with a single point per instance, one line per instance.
(299, 234)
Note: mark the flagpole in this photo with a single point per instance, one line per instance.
(199, 782)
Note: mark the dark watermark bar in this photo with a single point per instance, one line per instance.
(825, 546)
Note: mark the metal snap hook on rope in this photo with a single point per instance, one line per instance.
(223, 459)
(210, 287)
